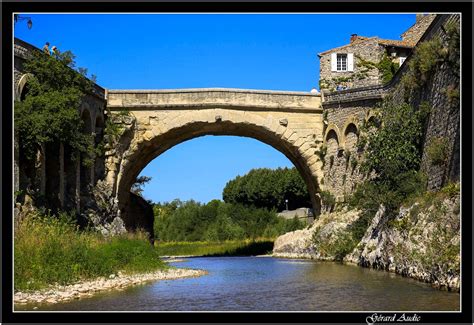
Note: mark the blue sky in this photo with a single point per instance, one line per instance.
(253, 51)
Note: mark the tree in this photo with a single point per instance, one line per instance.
(268, 188)
(137, 187)
(49, 110)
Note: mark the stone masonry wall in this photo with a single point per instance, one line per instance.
(369, 50)
(444, 121)
(341, 166)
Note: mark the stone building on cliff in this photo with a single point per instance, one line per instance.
(357, 64)
(345, 111)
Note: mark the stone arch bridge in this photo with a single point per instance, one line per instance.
(153, 121)
(156, 120)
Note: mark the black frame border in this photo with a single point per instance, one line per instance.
(233, 317)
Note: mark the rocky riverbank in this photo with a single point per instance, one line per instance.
(118, 281)
(318, 242)
(421, 242)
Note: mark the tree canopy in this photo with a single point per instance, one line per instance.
(268, 188)
(217, 221)
(49, 109)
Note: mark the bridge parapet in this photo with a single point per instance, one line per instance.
(214, 97)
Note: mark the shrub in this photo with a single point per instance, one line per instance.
(452, 93)
(321, 153)
(50, 249)
(338, 245)
(387, 68)
(451, 189)
(437, 151)
(327, 200)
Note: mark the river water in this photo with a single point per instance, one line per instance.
(273, 284)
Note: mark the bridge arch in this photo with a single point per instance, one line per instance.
(151, 129)
(144, 150)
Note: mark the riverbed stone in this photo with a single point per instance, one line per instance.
(87, 288)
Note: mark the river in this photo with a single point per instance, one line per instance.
(272, 284)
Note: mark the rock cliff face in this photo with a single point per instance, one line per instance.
(320, 241)
(421, 242)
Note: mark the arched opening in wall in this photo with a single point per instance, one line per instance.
(85, 171)
(373, 123)
(26, 167)
(331, 161)
(24, 91)
(144, 151)
(351, 136)
(332, 144)
(99, 135)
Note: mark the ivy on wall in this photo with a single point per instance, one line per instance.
(49, 110)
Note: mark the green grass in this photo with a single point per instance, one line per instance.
(225, 248)
(50, 250)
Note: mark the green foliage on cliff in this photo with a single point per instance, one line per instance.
(454, 49)
(339, 245)
(328, 200)
(439, 213)
(268, 188)
(393, 155)
(50, 249)
(396, 148)
(394, 152)
(437, 150)
(49, 110)
(217, 221)
(429, 55)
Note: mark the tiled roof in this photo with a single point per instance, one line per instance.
(360, 39)
(390, 42)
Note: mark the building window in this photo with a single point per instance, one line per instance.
(341, 62)
(402, 59)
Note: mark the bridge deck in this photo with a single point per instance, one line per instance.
(212, 97)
